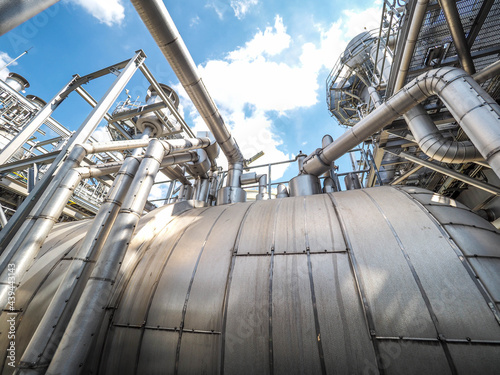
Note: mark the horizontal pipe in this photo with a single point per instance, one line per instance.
(176, 145)
(185, 157)
(454, 174)
(155, 16)
(476, 112)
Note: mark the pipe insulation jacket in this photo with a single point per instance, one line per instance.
(475, 111)
(155, 16)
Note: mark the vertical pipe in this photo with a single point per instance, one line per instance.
(90, 310)
(457, 33)
(46, 187)
(38, 353)
(3, 219)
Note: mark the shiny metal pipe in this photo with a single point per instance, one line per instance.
(177, 145)
(476, 112)
(90, 310)
(458, 35)
(262, 188)
(485, 74)
(282, 191)
(203, 190)
(181, 158)
(14, 13)
(454, 174)
(3, 218)
(432, 142)
(38, 352)
(28, 250)
(175, 172)
(155, 16)
(411, 41)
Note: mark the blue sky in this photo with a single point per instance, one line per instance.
(264, 62)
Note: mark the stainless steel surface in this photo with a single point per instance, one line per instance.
(261, 286)
(475, 111)
(3, 218)
(304, 184)
(155, 16)
(17, 82)
(282, 191)
(89, 312)
(351, 181)
(458, 34)
(14, 13)
(231, 194)
(491, 71)
(411, 40)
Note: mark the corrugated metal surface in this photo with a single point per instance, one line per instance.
(211, 290)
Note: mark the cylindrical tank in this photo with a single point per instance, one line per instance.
(17, 82)
(304, 184)
(38, 101)
(382, 280)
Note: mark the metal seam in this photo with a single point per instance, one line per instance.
(184, 307)
(488, 299)
(155, 285)
(313, 295)
(358, 280)
(423, 293)
(228, 287)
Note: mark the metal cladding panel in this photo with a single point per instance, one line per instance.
(405, 357)
(246, 337)
(451, 215)
(157, 354)
(455, 316)
(319, 216)
(489, 269)
(486, 358)
(205, 348)
(206, 299)
(168, 301)
(475, 241)
(145, 275)
(343, 331)
(120, 361)
(392, 294)
(294, 338)
(257, 234)
(428, 198)
(290, 236)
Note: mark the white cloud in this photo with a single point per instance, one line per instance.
(259, 78)
(4, 60)
(241, 7)
(101, 134)
(194, 21)
(109, 12)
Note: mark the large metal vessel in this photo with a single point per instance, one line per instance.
(372, 280)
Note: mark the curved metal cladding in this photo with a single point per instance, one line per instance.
(326, 283)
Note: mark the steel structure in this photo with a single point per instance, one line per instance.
(305, 278)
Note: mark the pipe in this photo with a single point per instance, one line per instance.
(457, 33)
(411, 41)
(262, 188)
(184, 144)
(282, 191)
(454, 174)
(3, 218)
(328, 185)
(155, 16)
(490, 71)
(89, 313)
(475, 111)
(14, 13)
(434, 144)
(175, 172)
(429, 138)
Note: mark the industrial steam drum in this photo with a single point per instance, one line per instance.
(390, 280)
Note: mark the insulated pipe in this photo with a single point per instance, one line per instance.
(3, 219)
(490, 71)
(38, 353)
(175, 145)
(155, 16)
(89, 313)
(457, 33)
(175, 172)
(14, 13)
(282, 191)
(411, 41)
(475, 111)
(434, 144)
(262, 188)
(429, 138)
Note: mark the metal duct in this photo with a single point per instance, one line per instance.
(475, 111)
(490, 71)
(155, 16)
(14, 13)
